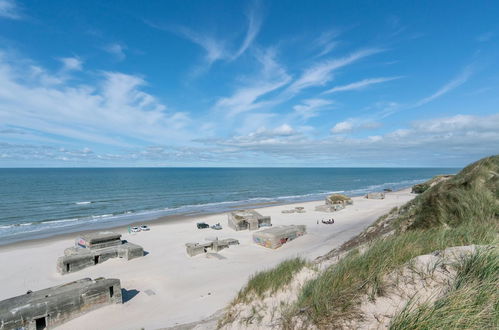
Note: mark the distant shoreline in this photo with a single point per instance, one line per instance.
(123, 227)
(48, 202)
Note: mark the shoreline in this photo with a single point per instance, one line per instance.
(121, 226)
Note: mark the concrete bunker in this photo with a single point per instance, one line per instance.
(94, 248)
(47, 308)
(247, 219)
(375, 195)
(274, 238)
(297, 209)
(335, 202)
(216, 245)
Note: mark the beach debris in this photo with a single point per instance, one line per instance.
(375, 195)
(334, 202)
(94, 248)
(247, 219)
(275, 237)
(202, 225)
(297, 209)
(216, 245)
(51, 307)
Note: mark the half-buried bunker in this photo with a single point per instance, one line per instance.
(51, 307)
(94, 248)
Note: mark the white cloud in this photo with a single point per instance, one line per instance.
(466, 139)
(9, 9)
(116, 49)
(271, 77)
(71, 63)
(423, 143)
(320, 74)
(454, 83)
(353, 124)
(326, 42)
(217, 48)
(283, 130)
(359, 84)
(342, 127)
(115, 112)
(254, 24)
(213, 47)
(310, 107)
(458, 123)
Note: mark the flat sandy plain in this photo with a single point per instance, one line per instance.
(167, 287)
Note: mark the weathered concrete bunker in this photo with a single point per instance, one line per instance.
(51, 307)
(247, 219)
(297, 209)
(217, 245)
(275, 237)
(94, 248)
(334, 202)
(375, 195)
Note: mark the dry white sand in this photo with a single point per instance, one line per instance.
(168, 286)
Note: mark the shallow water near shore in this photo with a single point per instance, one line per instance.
(38, 203)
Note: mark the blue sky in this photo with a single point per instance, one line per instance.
(248, 83)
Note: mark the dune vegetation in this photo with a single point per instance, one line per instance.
(452, 211)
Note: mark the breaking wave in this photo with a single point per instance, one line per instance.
(46, 228)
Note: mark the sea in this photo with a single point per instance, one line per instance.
(39, 203)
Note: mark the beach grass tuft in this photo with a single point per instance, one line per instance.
(271, 280)
(472, 303)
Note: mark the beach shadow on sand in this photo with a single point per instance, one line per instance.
(128, 295)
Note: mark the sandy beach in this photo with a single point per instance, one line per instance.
(167, 287)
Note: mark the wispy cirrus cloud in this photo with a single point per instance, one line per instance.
(71, 63)
(115, 111)
(254, 25)
(449, 86)
(321, 73)
(213, 47)
(117, 50)
(271, 77)
(309, 108)
(326, 42)
(9, 9)
(359, 84)
(219, 48)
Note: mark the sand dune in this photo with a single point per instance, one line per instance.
(167, 287)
